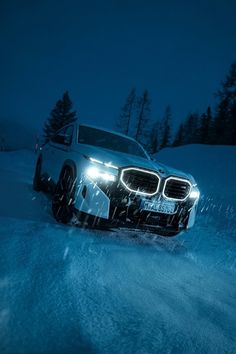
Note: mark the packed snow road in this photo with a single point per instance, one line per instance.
(68, 290)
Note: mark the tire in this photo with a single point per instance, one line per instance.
(37, 182)
(167, 233)
(63, 197)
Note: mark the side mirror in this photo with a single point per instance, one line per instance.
(67, 140)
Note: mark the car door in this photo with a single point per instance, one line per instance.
(57, 151)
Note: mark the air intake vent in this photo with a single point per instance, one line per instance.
(140, 181)
(176, 188)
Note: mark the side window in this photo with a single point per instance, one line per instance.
(59, 137)
(64, 136)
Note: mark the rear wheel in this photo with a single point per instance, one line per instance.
(63, 198)
(37, 182)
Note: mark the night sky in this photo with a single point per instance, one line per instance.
(99, 50)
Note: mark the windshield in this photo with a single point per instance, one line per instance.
(106, 140)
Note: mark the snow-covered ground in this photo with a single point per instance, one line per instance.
(68, 290)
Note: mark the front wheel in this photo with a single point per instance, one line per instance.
(63, 198)
(167, 233)
(37, 182)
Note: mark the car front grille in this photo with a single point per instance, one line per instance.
(176, 188)
(140, 181)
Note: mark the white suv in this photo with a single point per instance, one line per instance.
(104, 175)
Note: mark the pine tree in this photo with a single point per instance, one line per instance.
(60, 116)
(143, 119)
(209, 122)
(179, 137)
(155, 138)
(225, 122)
(166, 128)
(205, 130)
(127, 111)
(191, 129)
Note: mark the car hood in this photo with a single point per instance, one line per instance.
(122, 160)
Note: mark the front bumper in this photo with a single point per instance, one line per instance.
(114, 203)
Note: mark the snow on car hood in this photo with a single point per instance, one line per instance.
(120, 160)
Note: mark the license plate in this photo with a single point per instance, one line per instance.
(165, 207)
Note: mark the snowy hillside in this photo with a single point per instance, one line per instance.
(67, 290)
(214, 168)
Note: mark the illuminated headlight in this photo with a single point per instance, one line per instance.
(194, 194)
(107, 164)
(95, 174)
